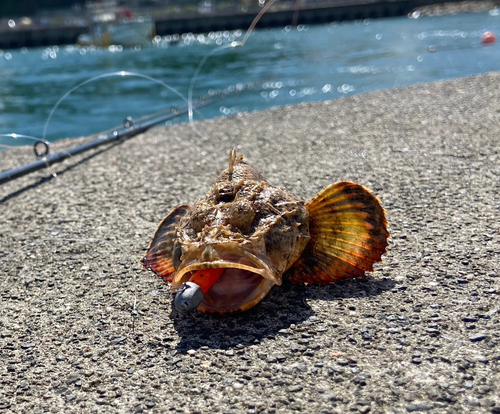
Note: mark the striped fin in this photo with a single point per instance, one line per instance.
(348, 234)
(158, 258)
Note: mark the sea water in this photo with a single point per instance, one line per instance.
(280, 67)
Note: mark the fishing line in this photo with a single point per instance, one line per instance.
(119, 133)
(254, 22)
(40, 155)
(108, 75)
(213, 52)
(21, 136)
(193, 80)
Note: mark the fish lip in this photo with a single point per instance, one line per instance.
(192, 263)
(257, 286)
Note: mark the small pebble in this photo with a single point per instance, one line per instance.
(72, 378)
(28, 345)
(295, 388)
(477, 337)
(473, 402)
(301, 367)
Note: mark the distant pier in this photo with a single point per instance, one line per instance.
(339, 10)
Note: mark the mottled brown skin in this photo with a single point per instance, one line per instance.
(243, 207)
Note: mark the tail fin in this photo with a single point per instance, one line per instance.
(158, 258)
(348, 234)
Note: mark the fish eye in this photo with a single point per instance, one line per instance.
(224, 192)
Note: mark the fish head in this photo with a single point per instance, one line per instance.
(242, 237)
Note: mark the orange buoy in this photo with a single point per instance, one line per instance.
(488, 38)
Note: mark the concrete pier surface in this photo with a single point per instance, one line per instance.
(84, 329)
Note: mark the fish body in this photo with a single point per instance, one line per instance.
(231, 247)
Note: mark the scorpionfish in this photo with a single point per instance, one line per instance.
(226, 252)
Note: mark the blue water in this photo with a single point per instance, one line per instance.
(288, 66)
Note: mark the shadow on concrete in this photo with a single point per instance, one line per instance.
(283, 306)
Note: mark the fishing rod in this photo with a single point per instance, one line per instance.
(128, 130)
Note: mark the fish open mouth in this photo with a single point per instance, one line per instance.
(234, 282)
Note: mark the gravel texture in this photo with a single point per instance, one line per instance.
(84, 329)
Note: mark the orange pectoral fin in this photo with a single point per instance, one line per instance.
(158, 258)
(205, 278)
(348, 235)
